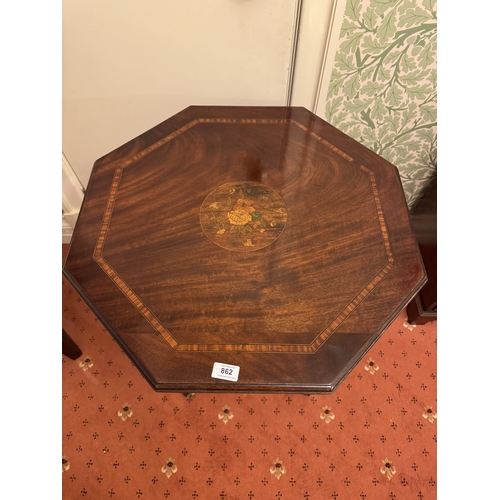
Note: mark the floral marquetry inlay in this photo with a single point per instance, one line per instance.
(243, 216)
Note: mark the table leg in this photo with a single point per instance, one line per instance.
(69, 348)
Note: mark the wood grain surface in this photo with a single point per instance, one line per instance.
(260, 237)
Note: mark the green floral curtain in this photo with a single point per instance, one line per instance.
(383, 89)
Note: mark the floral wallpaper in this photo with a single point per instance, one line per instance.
(383, 89)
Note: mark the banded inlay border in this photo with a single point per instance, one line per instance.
(122, 285)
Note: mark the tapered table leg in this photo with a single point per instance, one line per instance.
(69, 348)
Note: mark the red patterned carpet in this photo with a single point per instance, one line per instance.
(373, 438)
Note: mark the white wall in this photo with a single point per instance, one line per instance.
(130, 64)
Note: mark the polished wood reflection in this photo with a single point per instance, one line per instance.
(306, 239)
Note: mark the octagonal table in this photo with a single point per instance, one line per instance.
(245, 249)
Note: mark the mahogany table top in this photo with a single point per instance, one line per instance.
(257, 237)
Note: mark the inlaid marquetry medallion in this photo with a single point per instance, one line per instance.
(243, 216)
(225, 233)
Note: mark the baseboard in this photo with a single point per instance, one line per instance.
(67, 231)
(72, 197)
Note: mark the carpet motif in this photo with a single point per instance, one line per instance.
(373, 438)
